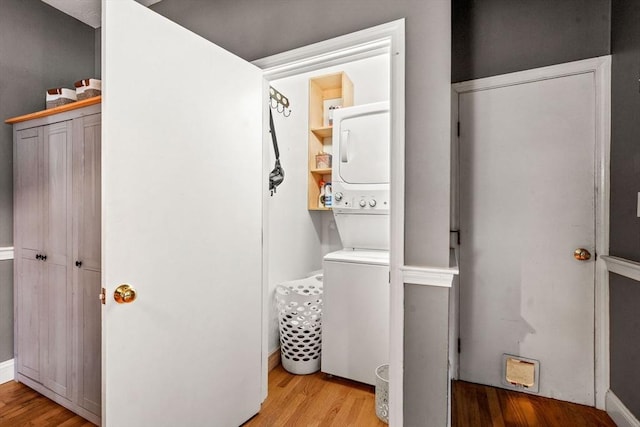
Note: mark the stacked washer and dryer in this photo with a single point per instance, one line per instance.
(355, 330)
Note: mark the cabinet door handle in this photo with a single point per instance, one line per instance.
(78, 264)
(38, 256)
(43, 257)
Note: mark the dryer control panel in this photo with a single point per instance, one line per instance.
(370, 200)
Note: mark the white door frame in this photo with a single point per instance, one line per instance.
(386, 38)
(600, 67)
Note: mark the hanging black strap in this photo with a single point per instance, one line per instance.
(277, 174)
(274, 138)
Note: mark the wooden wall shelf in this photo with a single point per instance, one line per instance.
(325, 171)
(324, 132)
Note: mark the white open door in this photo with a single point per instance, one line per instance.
(182, 196)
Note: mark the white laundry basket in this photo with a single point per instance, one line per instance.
(300, 317)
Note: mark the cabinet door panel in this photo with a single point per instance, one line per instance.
(88, 211)
(57, 192)
(57, 244)
(28, 223)
(58, 361)
(28, 238)
(89, 365)
(87, 227)
(29, 307)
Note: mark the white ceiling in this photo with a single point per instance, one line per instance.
(87, 11)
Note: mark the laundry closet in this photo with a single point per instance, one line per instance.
(301, 215)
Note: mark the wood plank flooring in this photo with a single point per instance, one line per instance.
(318, 400)
(20, 406)
(315, 400)
(479, 406)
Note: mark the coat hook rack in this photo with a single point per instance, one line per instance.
(279, 102)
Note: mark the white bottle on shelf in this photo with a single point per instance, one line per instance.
(328, 202)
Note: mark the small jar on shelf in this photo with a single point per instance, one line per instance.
(323, 160)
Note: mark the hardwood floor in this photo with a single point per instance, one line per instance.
(20, 406)
(315, 400)
(479, 406)
(318, 400)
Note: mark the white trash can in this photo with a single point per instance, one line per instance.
(382, 392)
(300, 318)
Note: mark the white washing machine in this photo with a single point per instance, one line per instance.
(355, 318)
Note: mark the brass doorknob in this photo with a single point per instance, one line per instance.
(124, 294)
(581, 254)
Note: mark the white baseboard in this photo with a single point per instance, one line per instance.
(619, 413)
(6, 371)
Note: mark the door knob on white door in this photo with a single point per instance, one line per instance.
(581, 254)
(124, 294)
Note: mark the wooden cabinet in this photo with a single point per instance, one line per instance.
(57, 268)
(324, 91)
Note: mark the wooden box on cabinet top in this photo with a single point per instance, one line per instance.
(57, 257)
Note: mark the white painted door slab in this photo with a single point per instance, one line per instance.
(182, 195)
(527, 188)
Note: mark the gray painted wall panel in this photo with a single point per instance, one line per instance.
(40, 48)
(625, 184)
(97, 65)
(426, 355)
(6, 310)
(625, 339)
(625, 128)
(492, 37)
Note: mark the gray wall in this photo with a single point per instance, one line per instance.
(625, 184)
(426, 355)
(625, 129)
(492, 37)
(625, 340)
(40, 48)
(6, 310)
(255, 29)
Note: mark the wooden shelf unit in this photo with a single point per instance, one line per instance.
(321, 89)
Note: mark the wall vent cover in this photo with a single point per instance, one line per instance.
(520, 373)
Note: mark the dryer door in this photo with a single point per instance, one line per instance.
(361, 144)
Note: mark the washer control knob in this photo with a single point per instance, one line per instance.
(338, 196)
(363, 203)
(372, 203)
